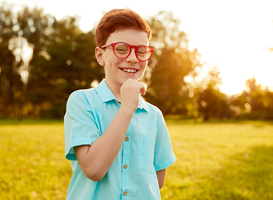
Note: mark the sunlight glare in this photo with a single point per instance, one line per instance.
(234, 35)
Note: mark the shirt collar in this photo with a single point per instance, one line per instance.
(142, 104)
(105, 95)
(104, 92)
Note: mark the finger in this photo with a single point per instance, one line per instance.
(143, 91)
(142, 88)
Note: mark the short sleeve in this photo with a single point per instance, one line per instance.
(79, 123)
(163, 154)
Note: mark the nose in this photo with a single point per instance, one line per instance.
(132, 56)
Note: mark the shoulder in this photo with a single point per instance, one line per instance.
(150, 107)
(153, 110)
(82, 93)
(82, 96)
(80, 102)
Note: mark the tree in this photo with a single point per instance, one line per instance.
(64, 64)
(258, 99)
(35, 27)
(170, 63)
(11, 85)
(211, 102)
(62, 60)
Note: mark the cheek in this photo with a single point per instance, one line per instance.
(114, 62)
(144, 65)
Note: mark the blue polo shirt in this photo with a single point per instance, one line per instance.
(146, 148)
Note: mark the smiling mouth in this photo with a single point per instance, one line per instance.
(129, 70)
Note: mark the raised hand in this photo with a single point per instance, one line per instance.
(130, 91)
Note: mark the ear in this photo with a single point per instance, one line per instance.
(99, 55)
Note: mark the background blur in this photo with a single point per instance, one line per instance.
(212, 59)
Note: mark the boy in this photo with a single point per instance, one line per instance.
(118, 144)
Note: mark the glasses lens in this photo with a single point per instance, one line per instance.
(122, 50)
(143, 53)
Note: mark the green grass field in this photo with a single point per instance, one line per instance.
(221, 160)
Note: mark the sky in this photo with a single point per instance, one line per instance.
(234, 35)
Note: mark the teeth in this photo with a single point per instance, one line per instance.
(129, 70)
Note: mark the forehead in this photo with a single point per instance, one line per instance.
(130, 36)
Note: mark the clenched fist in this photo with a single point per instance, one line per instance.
(129, 92)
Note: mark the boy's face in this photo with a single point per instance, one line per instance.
(118, 70)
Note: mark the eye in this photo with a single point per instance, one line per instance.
(142, 50)
(122, 48)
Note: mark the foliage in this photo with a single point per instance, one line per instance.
(67, 64)
(62, 61)
(207, 167)
(43, 60)
(256, 101)
(171, 62)
(11, 85)
(211, 102)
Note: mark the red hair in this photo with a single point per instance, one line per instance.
(120, 19)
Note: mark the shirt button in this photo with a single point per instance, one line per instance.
(125, 166)
(127, 139)
(124, 193)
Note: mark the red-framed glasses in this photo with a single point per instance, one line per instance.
(123, 50)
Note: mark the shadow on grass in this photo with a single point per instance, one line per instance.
(244, 176)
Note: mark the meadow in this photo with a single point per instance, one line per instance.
(215, 160)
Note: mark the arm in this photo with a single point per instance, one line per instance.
(95, 160)
(161, 177)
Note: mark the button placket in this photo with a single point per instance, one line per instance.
(126, 145)
(125, 163)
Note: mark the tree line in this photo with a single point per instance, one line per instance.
(43, 60)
